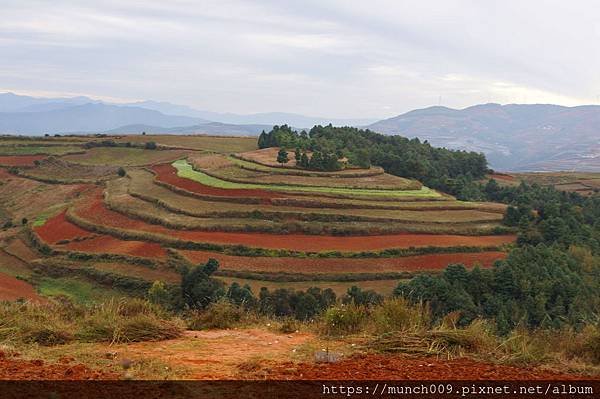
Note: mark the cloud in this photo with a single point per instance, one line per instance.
(344, 58)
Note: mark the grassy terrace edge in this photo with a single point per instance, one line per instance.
(185, 170)
(242, 250)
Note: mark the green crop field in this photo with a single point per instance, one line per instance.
(185, 170)
(77, 289)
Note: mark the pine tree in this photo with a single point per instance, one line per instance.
(282, 156)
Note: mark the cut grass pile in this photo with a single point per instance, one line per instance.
(185, 170)
(122, 156)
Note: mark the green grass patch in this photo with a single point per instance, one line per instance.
(43, 217)
(78, 290)
(185, 170)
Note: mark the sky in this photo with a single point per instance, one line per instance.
(342, 59)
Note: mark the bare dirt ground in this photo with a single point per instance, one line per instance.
(398, 367)
(217, 354)
(14, 368)
(261, 354)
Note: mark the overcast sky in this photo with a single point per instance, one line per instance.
(323, 58)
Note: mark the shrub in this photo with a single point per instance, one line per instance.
(222, 314)
(585, 345)
(344, 319)
(158, 294)
(398, 314)
(121, 172)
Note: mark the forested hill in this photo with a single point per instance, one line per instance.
(514, 137)
(447, 170)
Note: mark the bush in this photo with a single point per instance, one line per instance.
(398, 314)
(344, 319)
(121, 172)
(222, 314)
(585, 345)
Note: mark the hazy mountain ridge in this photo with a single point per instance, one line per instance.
(12, 107)
(514, 137)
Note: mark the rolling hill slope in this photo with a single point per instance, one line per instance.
(513, 137)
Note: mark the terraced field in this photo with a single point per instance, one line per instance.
(221, 167)
(56, 170)
(123, 156)
(185, 170)
(224, 144)
(39, 150)
(195, 199)
(20, 160)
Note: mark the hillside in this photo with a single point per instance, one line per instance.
(117, 244)
(514, 137)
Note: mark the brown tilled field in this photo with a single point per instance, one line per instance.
(344, 266)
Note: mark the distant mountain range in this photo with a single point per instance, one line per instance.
(30, 115)
(513, 137)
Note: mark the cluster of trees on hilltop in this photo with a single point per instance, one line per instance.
(440, 168)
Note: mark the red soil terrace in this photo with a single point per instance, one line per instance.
(59, 228)
(95, 211)
(168, 174)
(20, 160)
(333, 265)
(12, 289)
(4, 174)
(112, 245)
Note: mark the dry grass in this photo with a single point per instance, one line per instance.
(121, 156)
(225, 144)
(62, 322)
